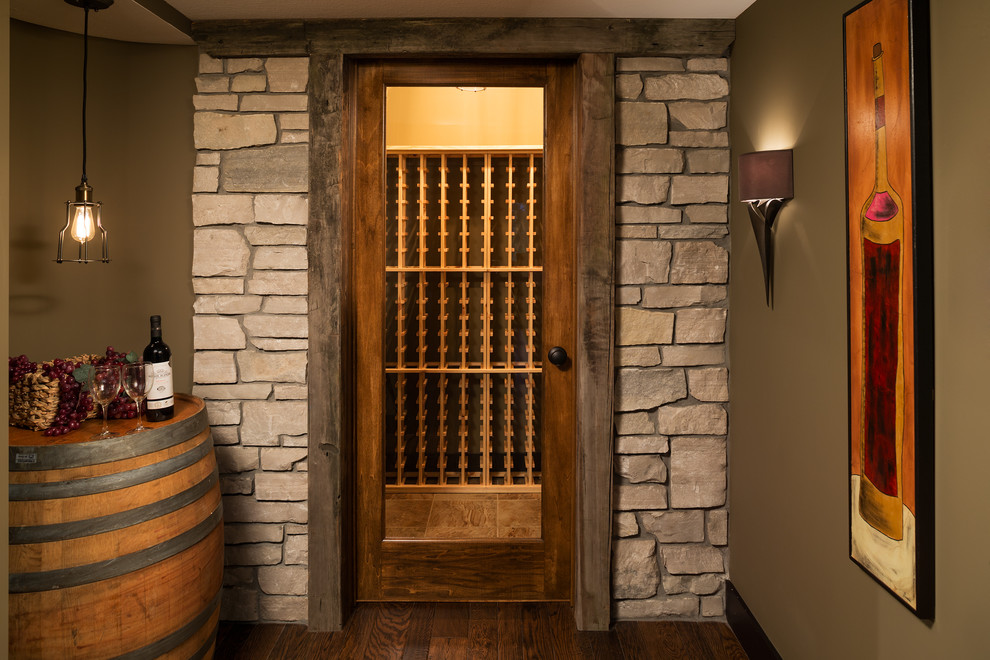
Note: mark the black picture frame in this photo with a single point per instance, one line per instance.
(891, 408)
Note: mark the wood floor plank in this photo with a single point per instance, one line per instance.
(721, 641)
(449, 648)
(716, 638)
(510, 633)
(687, 635)
(420, 632)
(506, 631)
(638, 642)
(357, 631)
(387, 637)
(480, 611)
(663, 639)
(297, 642)
(451, 620)
(597, 645)
(483, 639)
(557, 627)
(483, 631)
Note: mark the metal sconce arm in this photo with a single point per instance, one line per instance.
(766, 181)
(762, 213)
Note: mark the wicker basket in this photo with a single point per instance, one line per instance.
(34, 400)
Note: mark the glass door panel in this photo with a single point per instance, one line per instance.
(463, 369)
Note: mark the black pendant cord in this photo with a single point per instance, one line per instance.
(85, 64)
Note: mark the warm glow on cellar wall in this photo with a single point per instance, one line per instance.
(447, 117)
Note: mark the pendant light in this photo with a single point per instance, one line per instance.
(83, 217)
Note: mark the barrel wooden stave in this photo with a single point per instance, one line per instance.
(131, 567)
(32, 557)
(103, 469)
(112, 617)
(200, 644)
(86, 507)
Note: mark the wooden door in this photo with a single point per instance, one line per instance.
(439, 410)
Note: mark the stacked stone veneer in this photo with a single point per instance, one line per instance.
(250, 321)
(672, 266)
(250, 329)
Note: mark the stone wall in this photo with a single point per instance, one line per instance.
(250, 325)
(250, 329)
(672, 186)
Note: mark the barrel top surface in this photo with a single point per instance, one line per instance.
(32, 451)
(185, 407)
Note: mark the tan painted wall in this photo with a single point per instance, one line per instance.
(140, 164)
(788, 436)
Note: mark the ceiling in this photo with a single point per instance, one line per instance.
(167, 21)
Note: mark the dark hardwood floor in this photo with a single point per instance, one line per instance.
(502, 631)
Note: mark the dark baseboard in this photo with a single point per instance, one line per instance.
(746, 628)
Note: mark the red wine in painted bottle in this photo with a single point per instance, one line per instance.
(161, 399)
(882, 226)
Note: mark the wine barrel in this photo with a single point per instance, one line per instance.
(116, 545)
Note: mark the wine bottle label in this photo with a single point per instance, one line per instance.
(162, 395)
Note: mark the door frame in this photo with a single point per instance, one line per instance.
(332, 487)
(409, 569)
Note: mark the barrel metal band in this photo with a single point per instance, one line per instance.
(174, 639)
(208, 645)
(53, 490)
(53, 457)
(110, 568)
(113, 521)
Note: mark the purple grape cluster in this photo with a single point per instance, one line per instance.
(19, 367)
(112, 357)
(73, 405)
(122, 407)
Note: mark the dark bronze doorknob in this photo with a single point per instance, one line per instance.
(557, 356)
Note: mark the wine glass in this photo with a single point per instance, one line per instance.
(105, 386)
(138, 378)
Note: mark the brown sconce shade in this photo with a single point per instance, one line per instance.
(766, 179)
(766, 175)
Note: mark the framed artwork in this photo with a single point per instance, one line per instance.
(890, 289)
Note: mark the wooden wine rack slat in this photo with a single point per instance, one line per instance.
(400, 325)
(466, 273)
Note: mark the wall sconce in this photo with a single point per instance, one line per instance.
(766, 181)
(83, 217)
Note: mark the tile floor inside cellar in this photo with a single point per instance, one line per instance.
(462, 515)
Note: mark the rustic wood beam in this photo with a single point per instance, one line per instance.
(595, 206)
(246, 38)
(169, 14)
(331, 482)
(462, 36)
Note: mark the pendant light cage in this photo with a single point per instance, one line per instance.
(84, 217)
(83, 223)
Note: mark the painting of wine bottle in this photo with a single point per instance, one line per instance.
(881, 220)
(891, 363)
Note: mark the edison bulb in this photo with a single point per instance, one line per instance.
(83, 224)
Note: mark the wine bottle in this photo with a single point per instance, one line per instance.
(161, 399)
(882, 421)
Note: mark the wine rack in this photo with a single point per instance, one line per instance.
(463, 291)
